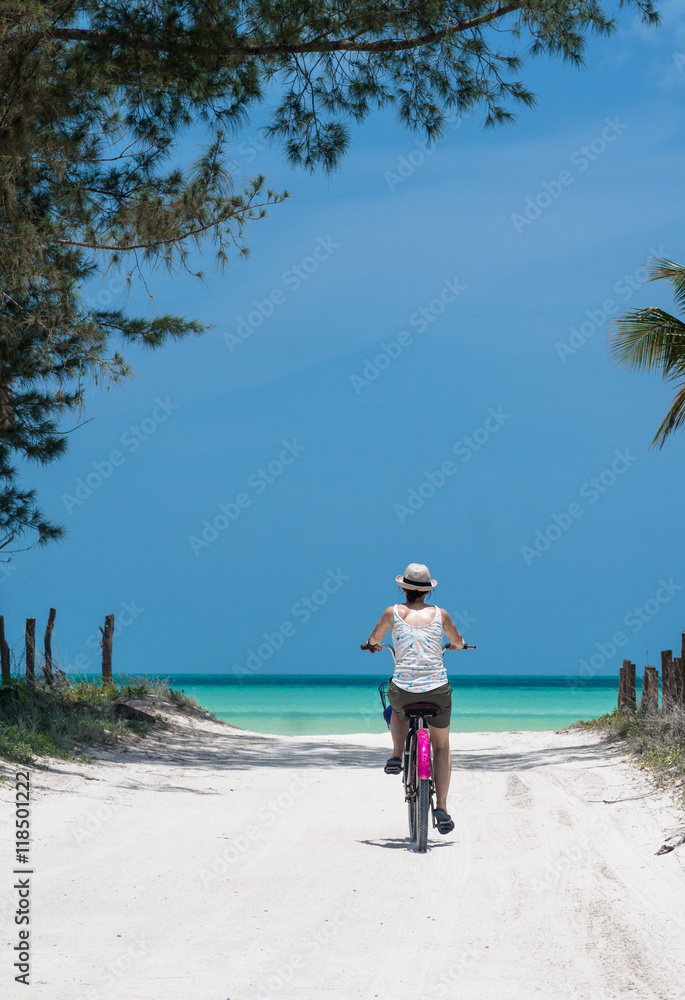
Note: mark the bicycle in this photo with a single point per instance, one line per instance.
(417, 763)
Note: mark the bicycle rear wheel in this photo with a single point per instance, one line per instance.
(418, 801)
(410, 787)
(421, 804)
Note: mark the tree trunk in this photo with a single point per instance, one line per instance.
(31, 652)
(47, 666)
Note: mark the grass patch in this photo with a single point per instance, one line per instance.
(656, 741)
(57, 721)
(189, 704)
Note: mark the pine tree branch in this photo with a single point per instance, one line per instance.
(180, 238)
(246, 50)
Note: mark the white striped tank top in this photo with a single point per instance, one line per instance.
(418, 654)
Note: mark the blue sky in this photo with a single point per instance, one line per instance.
(489, 388)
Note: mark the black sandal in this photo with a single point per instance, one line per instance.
(393, 765)
(443, 821)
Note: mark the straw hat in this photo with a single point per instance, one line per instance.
(416, 577)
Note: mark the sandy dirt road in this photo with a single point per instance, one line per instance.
(223, 865)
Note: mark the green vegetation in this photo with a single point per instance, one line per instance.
(654, 340)
(656, 741)
(100, 104)
(62, 720)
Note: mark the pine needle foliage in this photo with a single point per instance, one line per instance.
(95, 100)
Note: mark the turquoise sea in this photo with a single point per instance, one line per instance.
(299, 704)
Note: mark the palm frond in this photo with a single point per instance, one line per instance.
(649, 340)
(674, 419)
(653, 340)
(662, 269)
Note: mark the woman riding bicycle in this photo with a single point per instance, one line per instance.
(417, 630)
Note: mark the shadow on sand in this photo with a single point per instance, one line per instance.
(239, 750)
(402, 843)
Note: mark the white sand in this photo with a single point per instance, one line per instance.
(222, 865)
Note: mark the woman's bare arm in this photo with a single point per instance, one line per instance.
(451, 631)
(381, 630)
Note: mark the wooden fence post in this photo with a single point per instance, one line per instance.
(649, 703)
(47, 665)
(4, 653)
(626, 687)
(630, 687)
(31, 652)
(621, 685)
(679, 682)
(107, 634)
(666, 658)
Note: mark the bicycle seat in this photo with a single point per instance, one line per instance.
(425, 708)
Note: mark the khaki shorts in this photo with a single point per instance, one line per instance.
(440, 696)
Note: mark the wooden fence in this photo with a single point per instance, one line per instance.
(672, 684)
(48, 667)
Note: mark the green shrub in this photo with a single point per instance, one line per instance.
(51, 721)
(656, 741)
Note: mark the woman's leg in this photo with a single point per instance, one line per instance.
(442, 763)
(399, 727)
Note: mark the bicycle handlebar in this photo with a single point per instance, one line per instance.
(384, 645)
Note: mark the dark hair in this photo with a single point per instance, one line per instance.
(415, 595)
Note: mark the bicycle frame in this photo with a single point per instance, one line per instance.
(419, 787)
(417, 771)
(417, 777)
